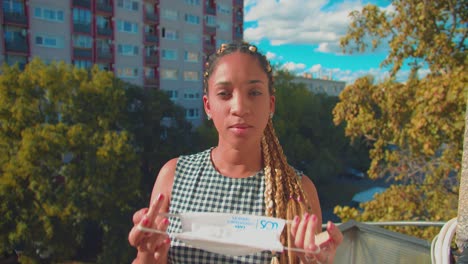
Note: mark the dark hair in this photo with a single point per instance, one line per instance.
(243, 47)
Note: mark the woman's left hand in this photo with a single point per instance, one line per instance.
(303, 230)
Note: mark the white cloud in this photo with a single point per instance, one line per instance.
(294, 67)
(270, 55)
(300, 22)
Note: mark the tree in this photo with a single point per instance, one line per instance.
(415, 128)
(66, 165)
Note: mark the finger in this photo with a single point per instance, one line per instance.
(155, 206)
(300, 234)
(294, 226)
(138, 215)
(335, 233)
(135, 236)
(162, 251)
(309, 238)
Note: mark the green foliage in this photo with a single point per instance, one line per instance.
(303, 121)
(65, 163)
(415, 128)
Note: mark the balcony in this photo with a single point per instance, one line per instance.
(152, 60)
(103, 31)
(82, 53)
(151, 38)
(82, 3)
(104, 54)
(82, 27)
(15, 18)
(239, 18)
(104, 7)
(210, 29)
(210, 10)
(239, 2)
(208, 47)
(18, 45)
(151, 81)
(151, 17)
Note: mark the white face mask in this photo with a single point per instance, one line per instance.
(229, 234)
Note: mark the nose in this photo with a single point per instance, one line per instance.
(240, 105)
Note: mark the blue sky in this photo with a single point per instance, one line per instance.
(303, 36)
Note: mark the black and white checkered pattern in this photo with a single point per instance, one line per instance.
(198, 187)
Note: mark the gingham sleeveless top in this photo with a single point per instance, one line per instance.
(199, 187)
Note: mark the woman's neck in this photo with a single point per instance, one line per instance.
(237, 163)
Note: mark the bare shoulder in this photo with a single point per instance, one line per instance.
(165, 181)
(312, 196)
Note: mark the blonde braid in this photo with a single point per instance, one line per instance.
(282, 177)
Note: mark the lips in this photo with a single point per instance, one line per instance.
(240, 126)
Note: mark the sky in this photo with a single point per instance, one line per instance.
(303, 36)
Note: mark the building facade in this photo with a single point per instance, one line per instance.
(324, 85)
(157, 44)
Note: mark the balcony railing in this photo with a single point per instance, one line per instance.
(152, 60)
(210, 10)
(16, 45)
(104, 7)
(81, 27)
(104, 31)
(151, 17)
(82, 53)
(210, 29)
(151, 38)
(104, 54)
(15, 18)
(82, 3)
(151, 81)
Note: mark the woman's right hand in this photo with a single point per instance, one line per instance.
(152, 247)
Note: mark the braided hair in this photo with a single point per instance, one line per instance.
(284, 196)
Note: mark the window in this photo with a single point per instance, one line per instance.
(150, 73)
(192, 95)
(128, 4)
(49, 14)
(127, 50)
(81, 16)
(82, 41)
(169, 34)
(169, 54)
(13, 6)
(191, 38)
(192, 113)
(193, 2)
(210, 20)
(173, 94)
(126, 26)
(169, 74)
(48, 41)
(191, 56)
(191, 76)
(170, 14)
(192, 19)
(83, 64)
(127, 72)
(103, 22)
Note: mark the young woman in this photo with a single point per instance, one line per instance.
(246, 173)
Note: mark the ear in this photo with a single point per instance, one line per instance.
(272, 103)
(206, 105)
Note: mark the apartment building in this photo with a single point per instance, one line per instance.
(157, 44)
(321, 84)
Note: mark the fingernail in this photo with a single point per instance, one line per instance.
(167, 240)
(306, 216)
(166, 221)
(296, 219)
(160, 197)
(145, 221)
(314, 218)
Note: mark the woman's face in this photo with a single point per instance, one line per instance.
(238, 99)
